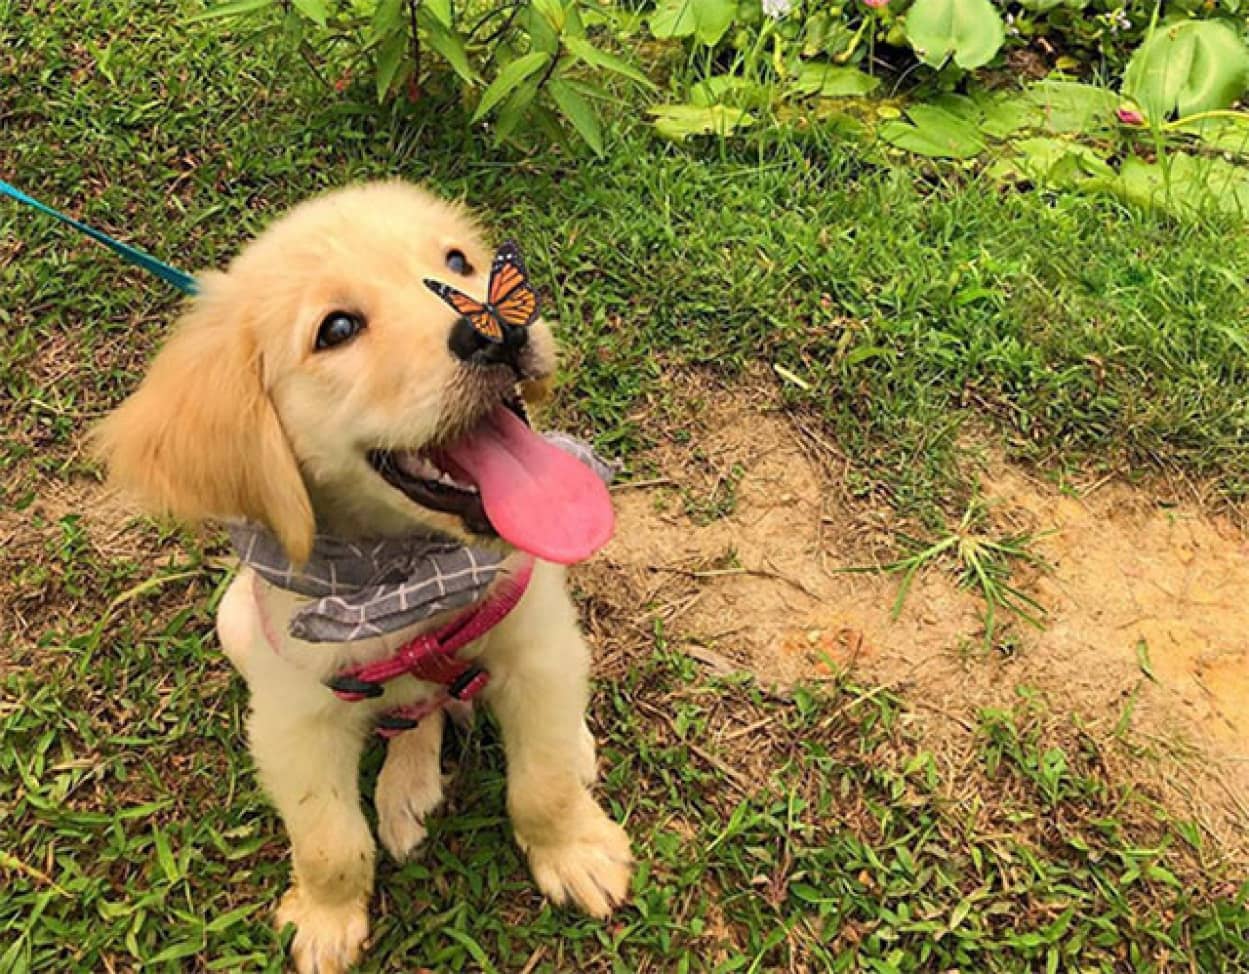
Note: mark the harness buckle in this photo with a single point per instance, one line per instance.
(468, 684)
(351, 688)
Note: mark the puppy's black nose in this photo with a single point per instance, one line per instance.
(470, 345)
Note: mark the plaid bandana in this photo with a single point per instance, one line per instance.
(361, 589)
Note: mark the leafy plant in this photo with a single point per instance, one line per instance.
(982, 563)
(934, 131)
(970, 32)
(540, 65)
(524, 62)
(1187, 67)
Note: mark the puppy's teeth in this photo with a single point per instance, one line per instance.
(416, 466)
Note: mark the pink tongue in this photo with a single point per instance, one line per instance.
(537, 496)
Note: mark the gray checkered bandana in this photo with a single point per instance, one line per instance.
(366, 588)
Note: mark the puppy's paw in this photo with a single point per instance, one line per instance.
(408, 789)
(401, 811)
(328, 939)
(589, 864)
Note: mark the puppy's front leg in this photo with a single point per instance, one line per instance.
(409, 786)
(539, 697)
(308, 761)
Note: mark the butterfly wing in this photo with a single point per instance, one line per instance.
(478, 314)
(510, 294)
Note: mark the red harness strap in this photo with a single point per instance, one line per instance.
(431, 657)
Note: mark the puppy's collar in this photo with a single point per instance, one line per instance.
(361, 589)
(369, 588)
(433, 657)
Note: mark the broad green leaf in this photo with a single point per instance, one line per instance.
(231, 9)
(935, 132)
(971, 31)
(514, 109)
(508, 78)
(1225, 134)
(440, 9)
(574, 26)
(552, 11)
(387, 17)
(730, 89)
(582, 49)
(705, 20)
(1183, 185)
(1051, 162)
(451, 47)
(317, 11)
(1069, 106)
(679, 122)
(833, 80)
(578, 111)
(389, 60)
(1005, 113)
(1188, 67)
(961, 107)
(542, 36)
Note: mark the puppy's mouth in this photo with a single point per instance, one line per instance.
(503, 479)
(430, 478)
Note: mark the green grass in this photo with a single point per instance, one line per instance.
(134, 833)
(1083, 331)
(911, 309)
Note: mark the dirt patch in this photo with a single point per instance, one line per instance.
(739, 555)
(54, 552)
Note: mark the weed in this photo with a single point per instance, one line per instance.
(982, 563)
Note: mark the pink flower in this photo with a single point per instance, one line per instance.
(1130, 116)
(876, 4)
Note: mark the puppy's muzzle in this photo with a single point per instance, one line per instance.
(469, 345)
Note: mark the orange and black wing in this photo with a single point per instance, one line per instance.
(510, 294)
(478, 314)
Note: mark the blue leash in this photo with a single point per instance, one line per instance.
(183, 282)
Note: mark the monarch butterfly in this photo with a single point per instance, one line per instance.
(511, 300)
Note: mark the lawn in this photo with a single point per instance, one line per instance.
(918, 316)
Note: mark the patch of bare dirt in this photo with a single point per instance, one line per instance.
(738, 554)
(51, 550)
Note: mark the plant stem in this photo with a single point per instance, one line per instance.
(416, 42)
(550, 68)
(486, 18)
(853, 46)
(1202, 116)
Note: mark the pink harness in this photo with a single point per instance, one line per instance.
(430, 657)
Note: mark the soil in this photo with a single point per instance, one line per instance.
(740, 554)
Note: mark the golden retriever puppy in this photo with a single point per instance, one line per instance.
(318, 393)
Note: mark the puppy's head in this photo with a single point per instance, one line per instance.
(314, 383)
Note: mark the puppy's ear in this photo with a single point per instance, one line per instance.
(200, 438)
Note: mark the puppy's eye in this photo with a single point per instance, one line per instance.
(457, 263)
(337, 328)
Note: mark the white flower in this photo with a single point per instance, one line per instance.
(776, 9)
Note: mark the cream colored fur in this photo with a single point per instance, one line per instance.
(240, 416)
